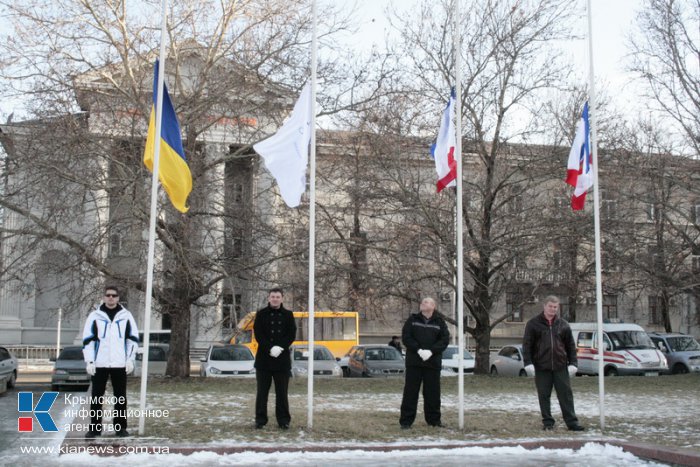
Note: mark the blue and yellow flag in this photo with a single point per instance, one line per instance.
(174, 173)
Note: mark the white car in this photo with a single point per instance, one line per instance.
(450, 362)
(230, 360)
(8, 370)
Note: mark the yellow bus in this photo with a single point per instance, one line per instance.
(337, 330)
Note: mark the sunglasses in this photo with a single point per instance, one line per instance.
(111, 295)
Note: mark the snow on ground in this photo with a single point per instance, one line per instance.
(591, 454)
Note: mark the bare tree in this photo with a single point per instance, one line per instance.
(233, 69)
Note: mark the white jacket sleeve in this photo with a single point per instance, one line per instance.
(90, 339)
(132, 339)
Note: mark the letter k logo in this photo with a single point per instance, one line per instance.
(25, 403)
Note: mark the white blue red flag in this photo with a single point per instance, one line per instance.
(443, 151)
(579, 174)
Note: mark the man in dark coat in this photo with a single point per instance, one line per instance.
(396, 343)
(425, 336)
(275, 331)
(549, 351)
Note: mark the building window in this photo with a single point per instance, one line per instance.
(514, 307)
(610, 306)
(654, 309)
(608, 205)
(651, 212)
(695, 213)
(238, 193)
(231, 311)
(695, 263)
(115, 244)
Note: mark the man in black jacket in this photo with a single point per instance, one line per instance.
(275, 331)
(549, 352)
(425, 336)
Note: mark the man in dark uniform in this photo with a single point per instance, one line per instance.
(275, 331)
(425, 336)
(549, 352)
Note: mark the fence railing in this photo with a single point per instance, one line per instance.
(32, 353)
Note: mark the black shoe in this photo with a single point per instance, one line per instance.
(92, 434)
(576, 428)
(548, 427)
(259, 426)
(436, 425)
(122, 434)
(405, 427)
(284, 426)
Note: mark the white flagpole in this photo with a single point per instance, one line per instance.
(152, 225)
(312, 222)
(460, 246)
(596, 216)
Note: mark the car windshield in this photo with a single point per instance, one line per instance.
(630, 340)
(451, 352)
(683, 344)
(75, 353)
(230, 354)
(320, 353)
(388, 353)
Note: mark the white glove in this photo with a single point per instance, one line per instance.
(129, 367)
(425, 354)
(275, 351)
(572, 371)
(90, 368)
(530, 370)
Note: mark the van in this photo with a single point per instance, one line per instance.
(628, 350)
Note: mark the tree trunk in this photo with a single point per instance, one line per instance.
(179, 359)
(482, 337)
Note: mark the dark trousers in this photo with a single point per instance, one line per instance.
(559, 380)
(430, 378)
(99, 383)
(264, 379)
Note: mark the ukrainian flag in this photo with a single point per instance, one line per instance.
(174, 173)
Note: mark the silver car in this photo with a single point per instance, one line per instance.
(8, 370)
(681, 351)
(325, 364)
(375, 361)
(157, 360)
(69, 369)
(508, 362)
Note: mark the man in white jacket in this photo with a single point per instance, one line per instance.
(110, 341)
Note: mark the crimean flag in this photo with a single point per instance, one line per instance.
(174, 173)
(443, 151)
(579, 174)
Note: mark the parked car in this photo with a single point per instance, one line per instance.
(69, 369)
(628, 350)
(508, 362)
(450, 361)
(375, 361)
(324, 362)
(228, 360)
(682, 351)
(8, 370)
(157, 360)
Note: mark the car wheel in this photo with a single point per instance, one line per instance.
(494, 371)
(346, 372)
(679, 369)
(13, 380)
(522, 372)
(611, 371)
